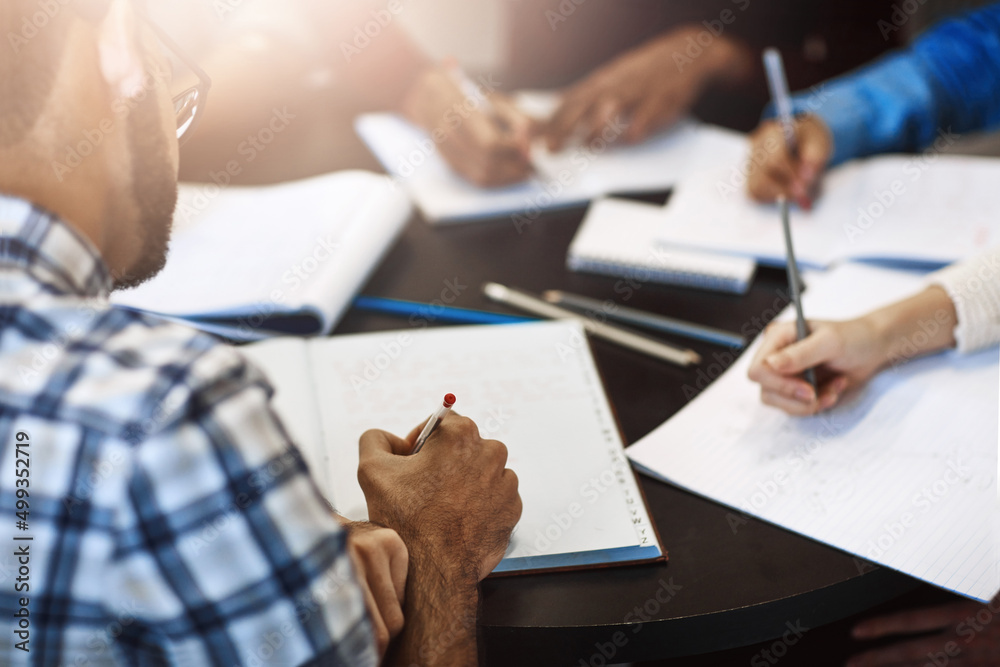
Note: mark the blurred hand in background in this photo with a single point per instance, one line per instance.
(648, 88)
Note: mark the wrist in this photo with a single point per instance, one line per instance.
(439, 574)
(441, 613)
(882, 331)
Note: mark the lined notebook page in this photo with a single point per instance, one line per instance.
(618, 238)
(534, 387)
(902, 474)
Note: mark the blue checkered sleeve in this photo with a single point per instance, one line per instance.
(227, 548)
(172, 521)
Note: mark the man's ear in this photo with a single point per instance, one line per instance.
(121, 54)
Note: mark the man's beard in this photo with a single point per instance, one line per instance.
(154, 191)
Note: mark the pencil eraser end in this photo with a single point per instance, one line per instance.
(494, 291)
(449, 400)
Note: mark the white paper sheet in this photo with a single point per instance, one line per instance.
(890, 209)
(573, 176)
(534, 387)
(902, 474)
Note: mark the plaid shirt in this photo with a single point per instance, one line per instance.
(171, 520)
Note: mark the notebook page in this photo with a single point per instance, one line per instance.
(894, 209)
(532, 386)
(286, 364)
(902, 474)
(571, 177)
(254, 251)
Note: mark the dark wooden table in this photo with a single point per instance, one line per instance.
(726, 584)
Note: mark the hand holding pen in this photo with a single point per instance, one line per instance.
(481, 133)
(433, 422)
(796, 150)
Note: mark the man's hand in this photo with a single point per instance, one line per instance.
(844, 354)
(455, 505)
(381, 560)
(647, 87)
(967, 634)
(779, 174)
(486, 140)
(454, 502)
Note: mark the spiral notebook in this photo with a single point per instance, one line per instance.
(617, 238)
(535, 387)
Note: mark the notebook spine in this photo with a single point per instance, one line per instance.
(661, 275)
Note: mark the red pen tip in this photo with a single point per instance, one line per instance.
(449, 400)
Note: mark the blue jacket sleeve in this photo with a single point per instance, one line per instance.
(948, 81)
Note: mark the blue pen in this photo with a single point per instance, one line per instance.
(433, 312)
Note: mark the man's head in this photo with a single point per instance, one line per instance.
(87, 127)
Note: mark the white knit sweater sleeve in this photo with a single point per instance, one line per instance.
(974, 288)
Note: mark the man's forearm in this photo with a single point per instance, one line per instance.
(440, 628)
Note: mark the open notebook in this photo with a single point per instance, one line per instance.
(892, 210)
(903, 473)
(576, 175)
(533, 386)
(246, 263)
(618, 238)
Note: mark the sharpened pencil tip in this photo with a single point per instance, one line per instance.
(694, 358)
(552, 296)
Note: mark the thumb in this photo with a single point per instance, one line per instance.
(375, 443)
(815, 349)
